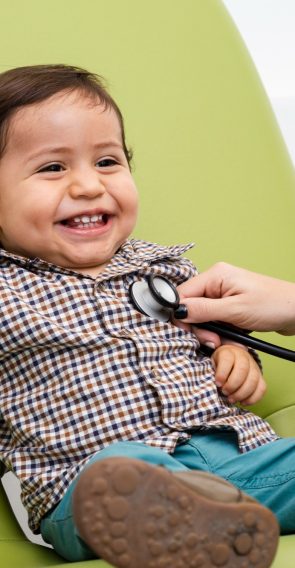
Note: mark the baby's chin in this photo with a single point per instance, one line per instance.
(91, 267)
(89, 270)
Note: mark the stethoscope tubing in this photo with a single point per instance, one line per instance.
(240, 336)
(222, 329)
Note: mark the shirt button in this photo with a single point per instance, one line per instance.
(158, 376)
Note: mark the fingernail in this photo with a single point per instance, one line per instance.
(181, 312)
(210, 344)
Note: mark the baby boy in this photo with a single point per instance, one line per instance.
(95, 396)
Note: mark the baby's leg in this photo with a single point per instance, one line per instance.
(58, 527)
(266, 473)
(136, 515)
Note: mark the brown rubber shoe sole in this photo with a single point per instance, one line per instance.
(135, 515)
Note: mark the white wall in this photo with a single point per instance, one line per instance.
(267, 27)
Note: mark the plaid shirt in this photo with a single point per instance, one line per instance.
(81, 368)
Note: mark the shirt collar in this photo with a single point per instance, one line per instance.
(132, 255)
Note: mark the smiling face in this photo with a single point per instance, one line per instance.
(66, 191)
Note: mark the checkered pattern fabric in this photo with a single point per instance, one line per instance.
(81, 368)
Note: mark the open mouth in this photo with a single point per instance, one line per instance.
(86, 221)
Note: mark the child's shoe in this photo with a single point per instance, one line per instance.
(135, 515)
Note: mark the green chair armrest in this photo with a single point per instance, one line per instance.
(283, 421)
(29, 555)
(285, 557)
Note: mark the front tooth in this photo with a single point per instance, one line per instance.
(85, 219)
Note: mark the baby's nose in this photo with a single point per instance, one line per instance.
(87, 184)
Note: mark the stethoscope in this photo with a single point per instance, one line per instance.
(158, 298)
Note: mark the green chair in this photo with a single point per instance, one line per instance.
(210, 162)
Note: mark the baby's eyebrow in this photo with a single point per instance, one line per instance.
(106, 144)
(49, 150)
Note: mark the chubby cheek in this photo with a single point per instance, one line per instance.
(21, 234)
(133, 197)
(131, 218)
(28, 230)
(128, 204)
(39, 211)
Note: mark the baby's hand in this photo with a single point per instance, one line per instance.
(238, 375)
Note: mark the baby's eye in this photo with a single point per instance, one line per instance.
(106, 162)
(51, 168)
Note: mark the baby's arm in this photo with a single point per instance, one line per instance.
(238, 375)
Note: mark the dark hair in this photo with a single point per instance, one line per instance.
(28, 85)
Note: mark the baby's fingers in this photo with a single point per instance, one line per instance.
(238, 383)
(250, 388)
(257, 395)
(224, 363)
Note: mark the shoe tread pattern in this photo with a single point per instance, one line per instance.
(135, 515)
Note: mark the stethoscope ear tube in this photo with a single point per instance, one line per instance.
(238, 335)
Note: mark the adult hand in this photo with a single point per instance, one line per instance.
(240, 297)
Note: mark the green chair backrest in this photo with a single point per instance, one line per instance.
(210, 162)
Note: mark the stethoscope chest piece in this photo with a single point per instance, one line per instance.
(155, 297)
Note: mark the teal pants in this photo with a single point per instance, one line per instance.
(266, 473)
